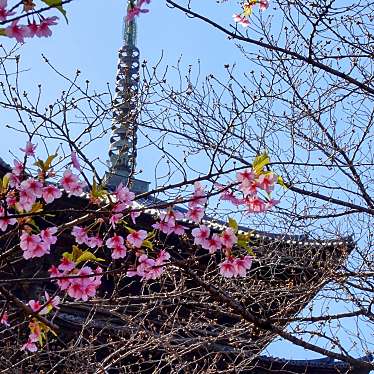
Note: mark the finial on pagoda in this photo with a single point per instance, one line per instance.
(123, 140)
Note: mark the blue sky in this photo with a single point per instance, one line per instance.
(90, 42)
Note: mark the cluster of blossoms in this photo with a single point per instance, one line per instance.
(135, 9)
(37, 245)
(38, 330)
(32, 29)
(248, 5)
(149, 268)
(30, 189)
(231, 267)
(79, 283)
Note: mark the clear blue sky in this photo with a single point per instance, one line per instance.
(90, 43)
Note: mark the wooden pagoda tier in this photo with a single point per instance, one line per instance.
(182, 322)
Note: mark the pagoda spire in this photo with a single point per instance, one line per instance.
(123, 140)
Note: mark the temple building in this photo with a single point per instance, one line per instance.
(181, 322)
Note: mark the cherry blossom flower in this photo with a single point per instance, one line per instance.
(18, 168)
(241, 20)
(71, 183)
(149, 268)
(267, 182)
(255, 205)
(85, 287)
(52, 302)
(33, 186)
(124, 195)
(137, 9)
(198, 197)
(26, 199)
(114, 241)
(115, 218)
(136, 238)
(50, 193)
(94, 241)
(245, 176)
(80, 234)
(201, 234)
(36, 306)
(4, 13)
(14, 180)
(43, 28)
(4, 320)
(119, 251)
(4, 222)
(242, 265)
(228, 238)
(28, 242)
(75, 161)
(66, 265)
(213, 244)
(29, 346)
(39, 250)
(227, 268)
(33, 29)
(264, 4)
(195, 214)
(47, 235)
(30, 147)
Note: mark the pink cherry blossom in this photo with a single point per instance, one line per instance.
(255, 205)
(124, 195)
(29, 242)
(228, 238)
(241, 20)
(66, 265)
(29, 346)
(18, 168)
(119, 251)
(114, 241)
(242, 265)
(36, 306)
(43, 29)
(227, 268)
(47, 235)
(137, 9)
(94, 241)
(4, 222)
(32, 28)
(33, 186)
(136, 238)
(26, 199)
(71, 183)
(52, 302)
(195, 214)
(200, 234)
(115, 218)
(30, 148)
(14, 180)
(39, 250)
(264, 4)
(213, 244)
(4, 319)
(267, 182)
(245, 176)
(75, 161)
(80, 234)
(50, 193)
(4, 13)
(198, 197)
